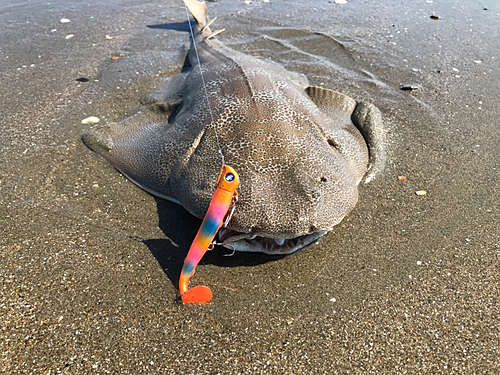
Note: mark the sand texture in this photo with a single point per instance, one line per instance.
(89, 263)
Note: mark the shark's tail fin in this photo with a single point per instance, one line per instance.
(199, 12)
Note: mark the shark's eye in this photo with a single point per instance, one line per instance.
(229, 177)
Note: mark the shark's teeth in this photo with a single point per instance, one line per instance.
(246, 242)
(279, 241)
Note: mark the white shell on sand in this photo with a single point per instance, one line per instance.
(90, 120)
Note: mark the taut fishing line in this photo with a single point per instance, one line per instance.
(204, 84)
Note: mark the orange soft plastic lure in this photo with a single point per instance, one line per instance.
(218, 214)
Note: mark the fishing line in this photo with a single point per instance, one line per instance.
(204, 85)
(221, 205)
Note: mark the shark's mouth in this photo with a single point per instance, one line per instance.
(249, 242)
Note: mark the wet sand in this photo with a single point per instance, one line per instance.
(89, 262)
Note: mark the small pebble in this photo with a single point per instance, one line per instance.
(117, 55)
(419, 263)
(109, 37)
(421, 192)
(69, 36)
(90, 120)
(333, 299)
(401, 178)
(409, 87)
(65, 20)
(340, 2)
(435, 17)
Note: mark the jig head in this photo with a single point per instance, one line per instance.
(219, 213)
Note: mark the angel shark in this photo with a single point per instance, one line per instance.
(299, 150)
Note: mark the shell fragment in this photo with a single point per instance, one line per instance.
(90, 120)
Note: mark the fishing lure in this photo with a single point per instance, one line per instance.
(219, 213)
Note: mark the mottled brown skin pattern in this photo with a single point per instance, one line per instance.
(297, 152)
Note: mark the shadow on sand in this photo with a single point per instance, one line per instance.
(176, 26)
(180, 228)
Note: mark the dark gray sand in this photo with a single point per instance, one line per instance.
(89, 262)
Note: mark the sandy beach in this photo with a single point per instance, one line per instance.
(406, 283)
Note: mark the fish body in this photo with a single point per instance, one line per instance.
(296, 148)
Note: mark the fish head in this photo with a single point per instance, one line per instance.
(294, 185)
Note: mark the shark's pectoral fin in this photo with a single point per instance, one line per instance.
(368, 119)
(332, 103)
(142, 150)
(338, 128)
(98, 140)
(362, 121)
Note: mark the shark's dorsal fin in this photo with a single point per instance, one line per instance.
(331, 102)
(199, 11)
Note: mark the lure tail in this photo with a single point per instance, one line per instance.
(218, 214)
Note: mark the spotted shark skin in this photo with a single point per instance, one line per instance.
(296, 148)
